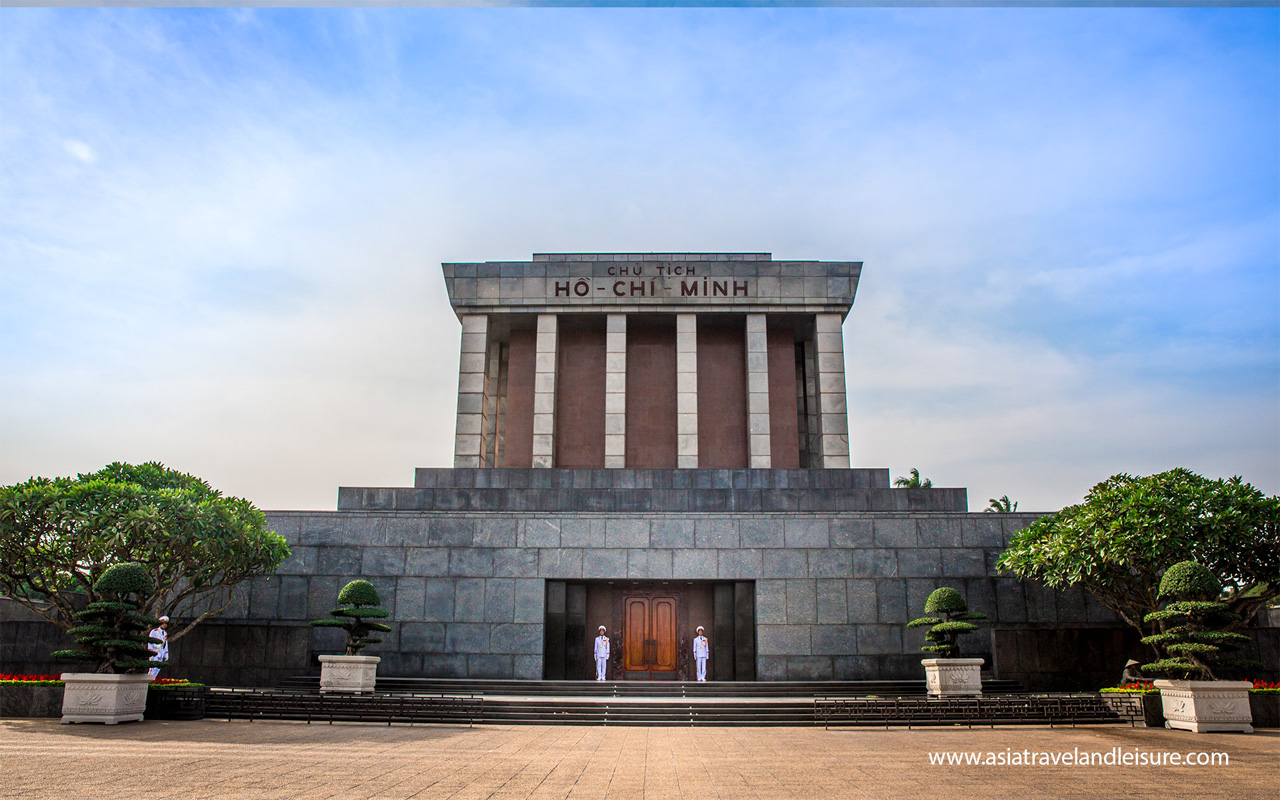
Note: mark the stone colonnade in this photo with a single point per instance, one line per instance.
(482, 386)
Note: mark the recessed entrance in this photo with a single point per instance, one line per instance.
(651, 626)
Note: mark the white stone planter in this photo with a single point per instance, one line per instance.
(348, 673)
(102, 697)
(951, 677)
(1205, 706)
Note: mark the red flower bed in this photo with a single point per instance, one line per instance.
(7, 678)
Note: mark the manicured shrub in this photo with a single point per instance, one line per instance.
(1193, 635)
(358, 607)
(115, 634)
(1190, 581)
(951, 620)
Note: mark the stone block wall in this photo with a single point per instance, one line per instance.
(466, 590)
(466, 594)
(26, 641)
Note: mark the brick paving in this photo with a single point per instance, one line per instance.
(294, 761)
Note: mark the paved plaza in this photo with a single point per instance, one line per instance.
(295, 761)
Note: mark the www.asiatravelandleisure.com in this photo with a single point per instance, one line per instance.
(1115, 757)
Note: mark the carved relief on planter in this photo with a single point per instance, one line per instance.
(102, 697)
(355, 674)
(1204, 706)
(951, 677)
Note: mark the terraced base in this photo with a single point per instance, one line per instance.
(659, 704)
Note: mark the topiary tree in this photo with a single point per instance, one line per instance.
(952, 622)
(1193, 634)
(59, 536)
(358, 604)
(114, 633)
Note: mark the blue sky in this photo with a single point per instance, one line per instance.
(220, 231)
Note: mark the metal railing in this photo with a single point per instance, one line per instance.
(390, 708)
(1008, 709)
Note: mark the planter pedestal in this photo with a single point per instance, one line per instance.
(102, 697)
(356, 674)
(1205, 706)
(953, 677)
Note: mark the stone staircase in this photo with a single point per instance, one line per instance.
(659, 703)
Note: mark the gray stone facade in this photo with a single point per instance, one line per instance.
(834, 589)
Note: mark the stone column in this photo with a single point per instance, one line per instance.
(758, 446)
(615, 392)
(469, 440)
(686, 391)
(544, 392)
(834, 418)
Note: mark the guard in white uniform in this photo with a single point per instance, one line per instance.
(700, 653)
(159, 652)
(602, 654)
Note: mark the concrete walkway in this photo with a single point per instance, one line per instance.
(260, 760)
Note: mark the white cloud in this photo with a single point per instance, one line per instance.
(247, 286)
(80, 151)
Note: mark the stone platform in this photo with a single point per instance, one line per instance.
(677, 491)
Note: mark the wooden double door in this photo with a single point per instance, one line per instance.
(650, 647)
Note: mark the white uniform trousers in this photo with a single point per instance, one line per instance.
(702, 668)
(601, 663)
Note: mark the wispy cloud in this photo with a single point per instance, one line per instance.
(221, 231)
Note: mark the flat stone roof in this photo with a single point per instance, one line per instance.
(653, 282)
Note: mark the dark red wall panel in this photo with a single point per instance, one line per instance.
(722, 393)
(580, 394)
(517, 443)
(784, 423)
(651, 395)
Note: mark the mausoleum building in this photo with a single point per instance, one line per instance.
(651, 442)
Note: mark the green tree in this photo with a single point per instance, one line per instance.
(954, 621)
(113, 634)
(1001, 506)
(913, 482)
(59, 536)
(1118, 543)
(1196, 642)
(357, 608)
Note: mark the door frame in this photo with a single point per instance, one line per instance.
(649, 639)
